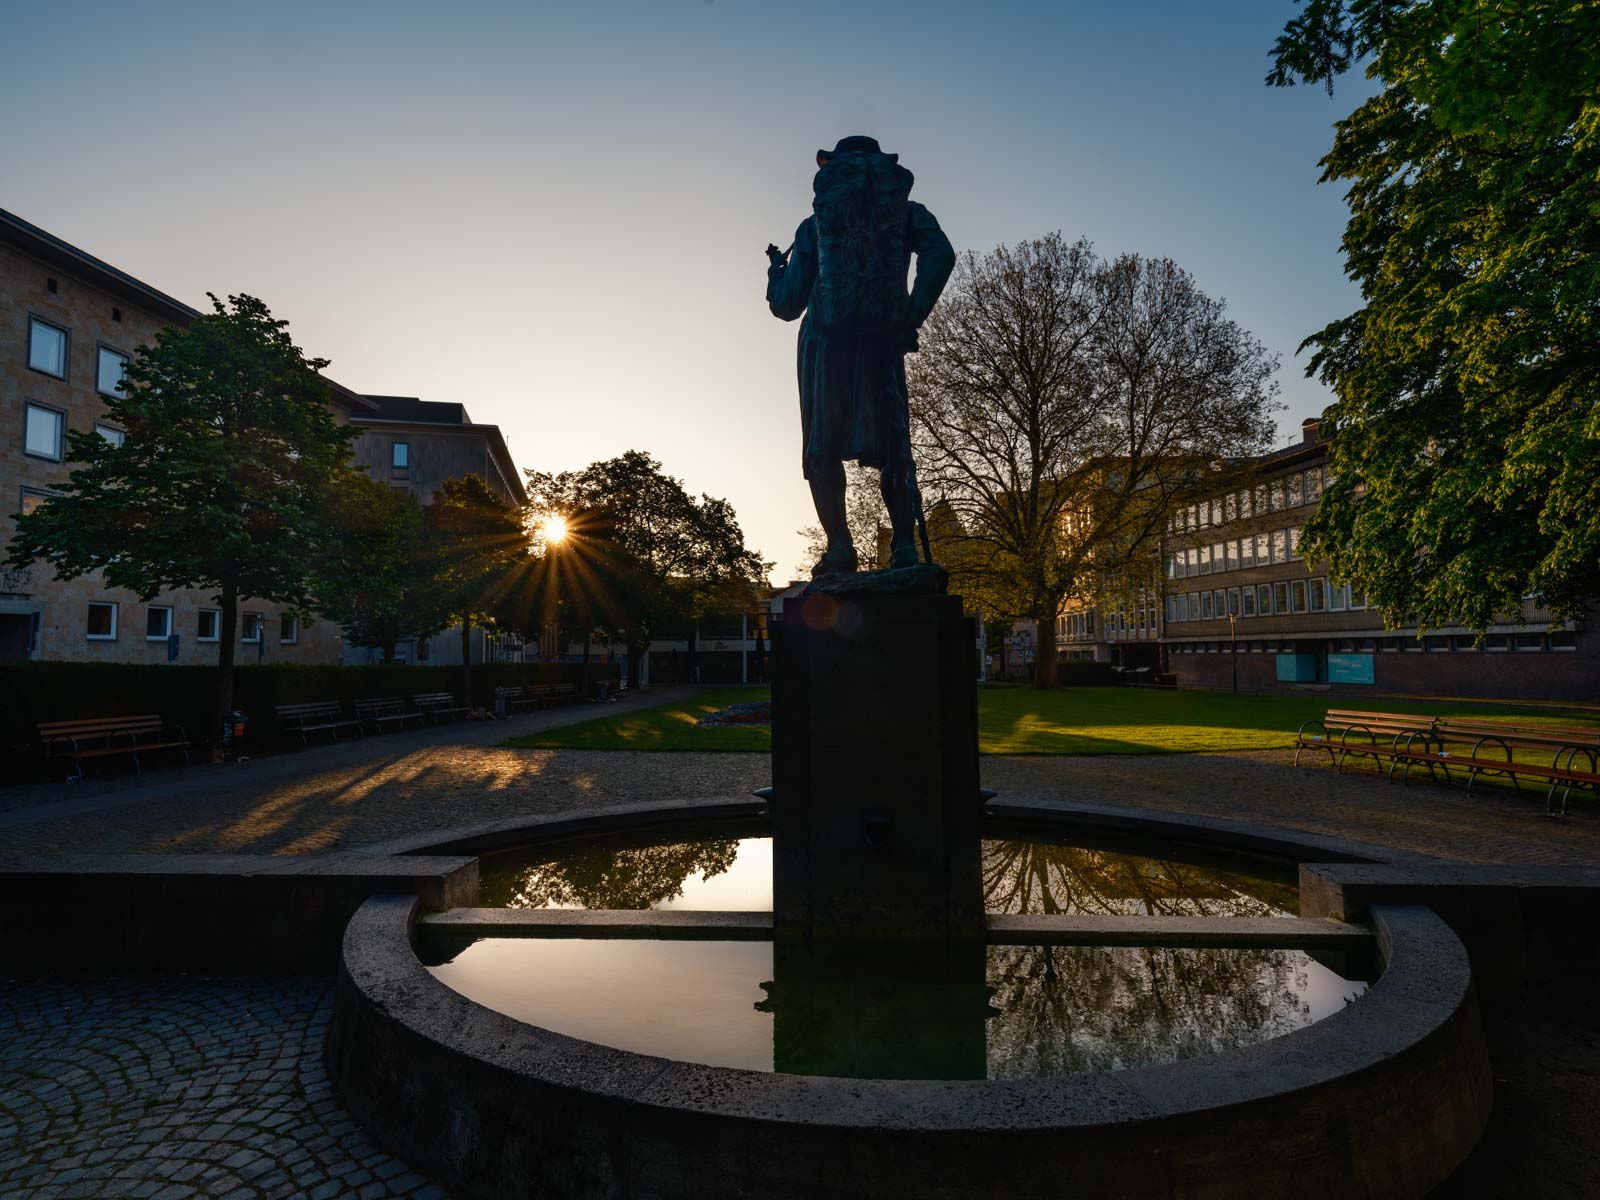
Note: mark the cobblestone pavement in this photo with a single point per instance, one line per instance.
(178, 1086)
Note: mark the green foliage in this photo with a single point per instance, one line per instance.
(1467, 450)
(654, 556)
(223, 478)
(383, 589)
(475, 549)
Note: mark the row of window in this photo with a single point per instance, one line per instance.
(1265, 600)
(1260, 550)
(1275, 495)
(1558, 640)
(103, 619)
(49, 352)
(44, 435)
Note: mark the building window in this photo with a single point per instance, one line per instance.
(1263, 549)
(1280, 545)
(1436, 642)
(1275, 491)
(1231, 507)
(1183, 607)
(1233, 556)
(44, 429)
(1264, 599)
(1338, 597)
(1280, 598)
(1244, 503)
(1293, 484)
(32, 498)
(157, 622)
(1313, 486)
(1294, 542)
(1563, 639)
(47, 348)
(1247, 552)
(1233, 602)
(102, 626)
(1527, 641)
(288, 629)
(1316, 590)
(1216, 511)
(1218, 562)
(250, 624)
(111, 433)
(1205, 514)
(1247, 602)
(208, 625)
(1358, 600)
(1207, 609)
(400, 459)
(1193, 555)
(110, 366)
(1205, 560)
(1297, 595)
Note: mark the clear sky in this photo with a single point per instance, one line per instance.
(555, 214)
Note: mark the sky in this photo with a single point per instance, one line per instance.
(555, 214)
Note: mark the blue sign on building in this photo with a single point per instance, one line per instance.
(1349, 668)
(1297, 668)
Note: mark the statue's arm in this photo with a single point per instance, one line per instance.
(789, 286)
(936, 258)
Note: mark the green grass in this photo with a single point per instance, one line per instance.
(1020, 720)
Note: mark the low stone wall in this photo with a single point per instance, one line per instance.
(1525, 928)
(207, 912)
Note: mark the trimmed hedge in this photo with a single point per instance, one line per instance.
(60, 691)
(1080, 672)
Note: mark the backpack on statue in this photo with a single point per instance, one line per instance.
(861, 207)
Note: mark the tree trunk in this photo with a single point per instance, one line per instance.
(1045, 675)
(692, 666)
(588, 640)
(222, 693)
(388, 651)
(466, 662)
(634, 653)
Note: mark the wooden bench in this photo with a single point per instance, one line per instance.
(378, 711)
(318, 716)
(1479, 748)
(516, 699)
(109, 737)
(439, 706)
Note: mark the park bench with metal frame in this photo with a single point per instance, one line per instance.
(554, 693)
(1490, 749)
(516, 699)
(110, 737)
(377, 711)
(317, 716)
(439, 706)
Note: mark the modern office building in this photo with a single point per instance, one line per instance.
(70, 324)
(1240, 594)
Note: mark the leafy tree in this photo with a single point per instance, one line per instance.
(1467, 444)
(1062, 405)
(668, 559)
(476, 555)
(611, 876)
(383, 590)
(224, 481)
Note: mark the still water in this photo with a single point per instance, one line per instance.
(886, 1011)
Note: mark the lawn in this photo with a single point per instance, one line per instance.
(1019, 720)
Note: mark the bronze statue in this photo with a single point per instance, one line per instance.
(846, 272)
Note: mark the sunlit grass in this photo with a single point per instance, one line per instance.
(1020, 720)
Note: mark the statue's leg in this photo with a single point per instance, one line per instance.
(827, 493)
(895, 486)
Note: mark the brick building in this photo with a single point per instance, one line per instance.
(1237, 555)
(418, 444)
(70, 324)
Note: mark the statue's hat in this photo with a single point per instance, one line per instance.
(855, 144)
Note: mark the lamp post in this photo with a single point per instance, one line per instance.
(1233, 653)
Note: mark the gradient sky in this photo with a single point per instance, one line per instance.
(555, 214)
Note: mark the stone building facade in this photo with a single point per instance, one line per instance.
(67, 322)
(1237, 594)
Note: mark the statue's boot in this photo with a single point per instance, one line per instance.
(840, 559)
(901, 503)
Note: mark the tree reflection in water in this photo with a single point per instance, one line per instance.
(608, 876)
(1066, 1009)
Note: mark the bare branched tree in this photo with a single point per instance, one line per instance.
(1062, 406)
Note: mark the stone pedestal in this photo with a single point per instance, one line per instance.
(876, 815)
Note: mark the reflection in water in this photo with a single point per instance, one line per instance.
(1018, 877)
(1055, 1010)
(1001, 1011)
